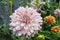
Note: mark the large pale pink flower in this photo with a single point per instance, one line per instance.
(25, 22)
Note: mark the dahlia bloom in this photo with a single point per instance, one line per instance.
(49, 19)
(25, 22)
(35, 5)
(57, 12)
(55, 29)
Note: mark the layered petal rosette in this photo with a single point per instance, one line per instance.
(50, 19)
(25, 22)
(55, 29)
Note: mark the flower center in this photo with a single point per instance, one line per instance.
(26, 19)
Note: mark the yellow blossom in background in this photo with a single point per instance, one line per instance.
(40, 37)
(55, 29)
(50, 19)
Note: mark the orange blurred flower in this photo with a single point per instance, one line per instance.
(55, 29)
(49, 19)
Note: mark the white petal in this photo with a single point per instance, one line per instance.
(22, 24)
